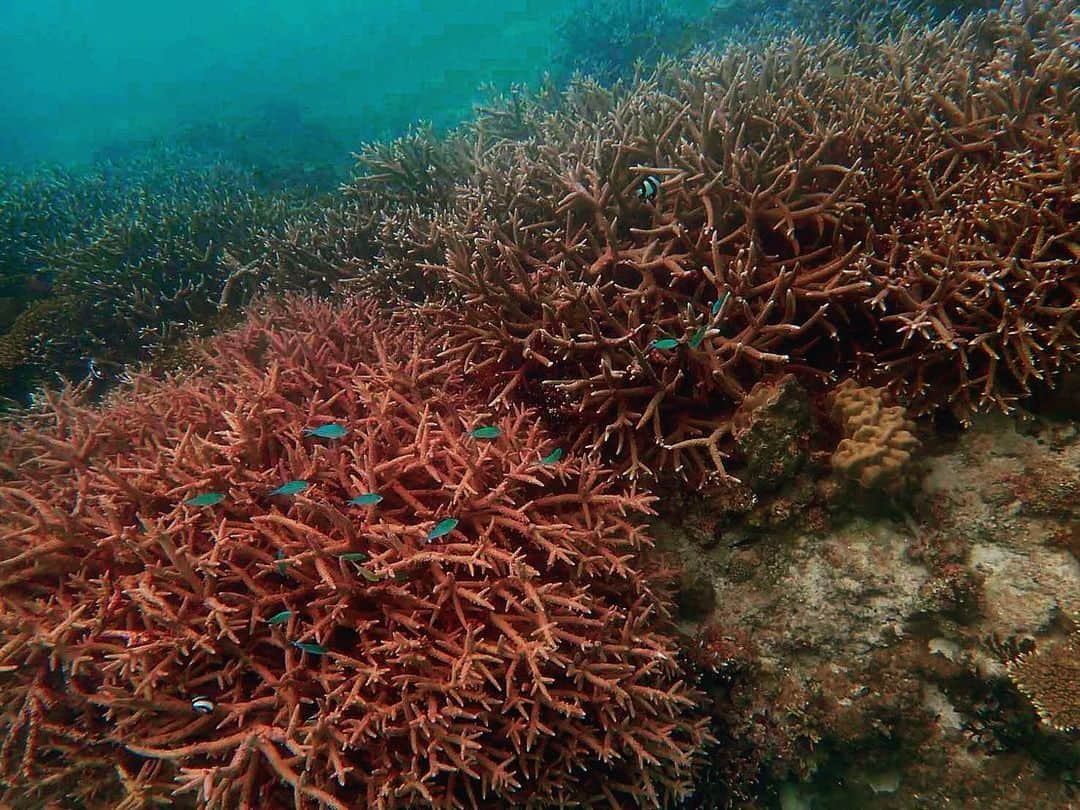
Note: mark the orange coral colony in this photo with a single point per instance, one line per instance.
(166, 618)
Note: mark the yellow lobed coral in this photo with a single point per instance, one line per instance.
(879, 439)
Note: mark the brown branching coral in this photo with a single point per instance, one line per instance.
(978, 269)
(646, 321)
(379, 235)
(878, 440)
(474, 631)
(130, 259)
(32, 327)
(1050, 677)
(903, 211)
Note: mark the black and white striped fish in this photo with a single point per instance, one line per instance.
(649, 188)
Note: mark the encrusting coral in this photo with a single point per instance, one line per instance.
(1050, 677)
(437, 610)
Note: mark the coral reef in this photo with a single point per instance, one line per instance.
(899, 662)
(899, 211)
(609, 39)
(431, 612)
(121, 262)
(344, 558)
(612, 41)
(770, 429)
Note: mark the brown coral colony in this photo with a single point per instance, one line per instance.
(1050, 677)
(887, 222)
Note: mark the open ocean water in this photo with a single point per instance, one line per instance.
(604, 404)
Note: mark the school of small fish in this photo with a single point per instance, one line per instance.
(333, 431)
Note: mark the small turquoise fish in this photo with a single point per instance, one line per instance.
(490, 432)
(291, 488)
(314, 649)
(370, 576)
(331, 431)
(719, 305)
(552, 457)
(280, 618)
(699, 336)
(366, 499)
(206, 499)
(354, 556)
(282, 569)
(664, 343)
(444, 528)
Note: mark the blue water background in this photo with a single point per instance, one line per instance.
(82, 78)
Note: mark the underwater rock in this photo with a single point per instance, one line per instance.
(954, 590)
(1064, 401)
(884, 640)
(770, 429)
(696, 597)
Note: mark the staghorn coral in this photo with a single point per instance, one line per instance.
(19, 344)
(901, 211)
(976, 273)
(878, 440)
(899, 208)
(377, 237)
(128, 258)
(1050, 677)
(522, 658)
(610, 39)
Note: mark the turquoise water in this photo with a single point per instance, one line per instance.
(79, 77)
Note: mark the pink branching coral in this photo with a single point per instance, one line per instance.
(482, 636)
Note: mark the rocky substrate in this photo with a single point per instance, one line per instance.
(893, 647)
